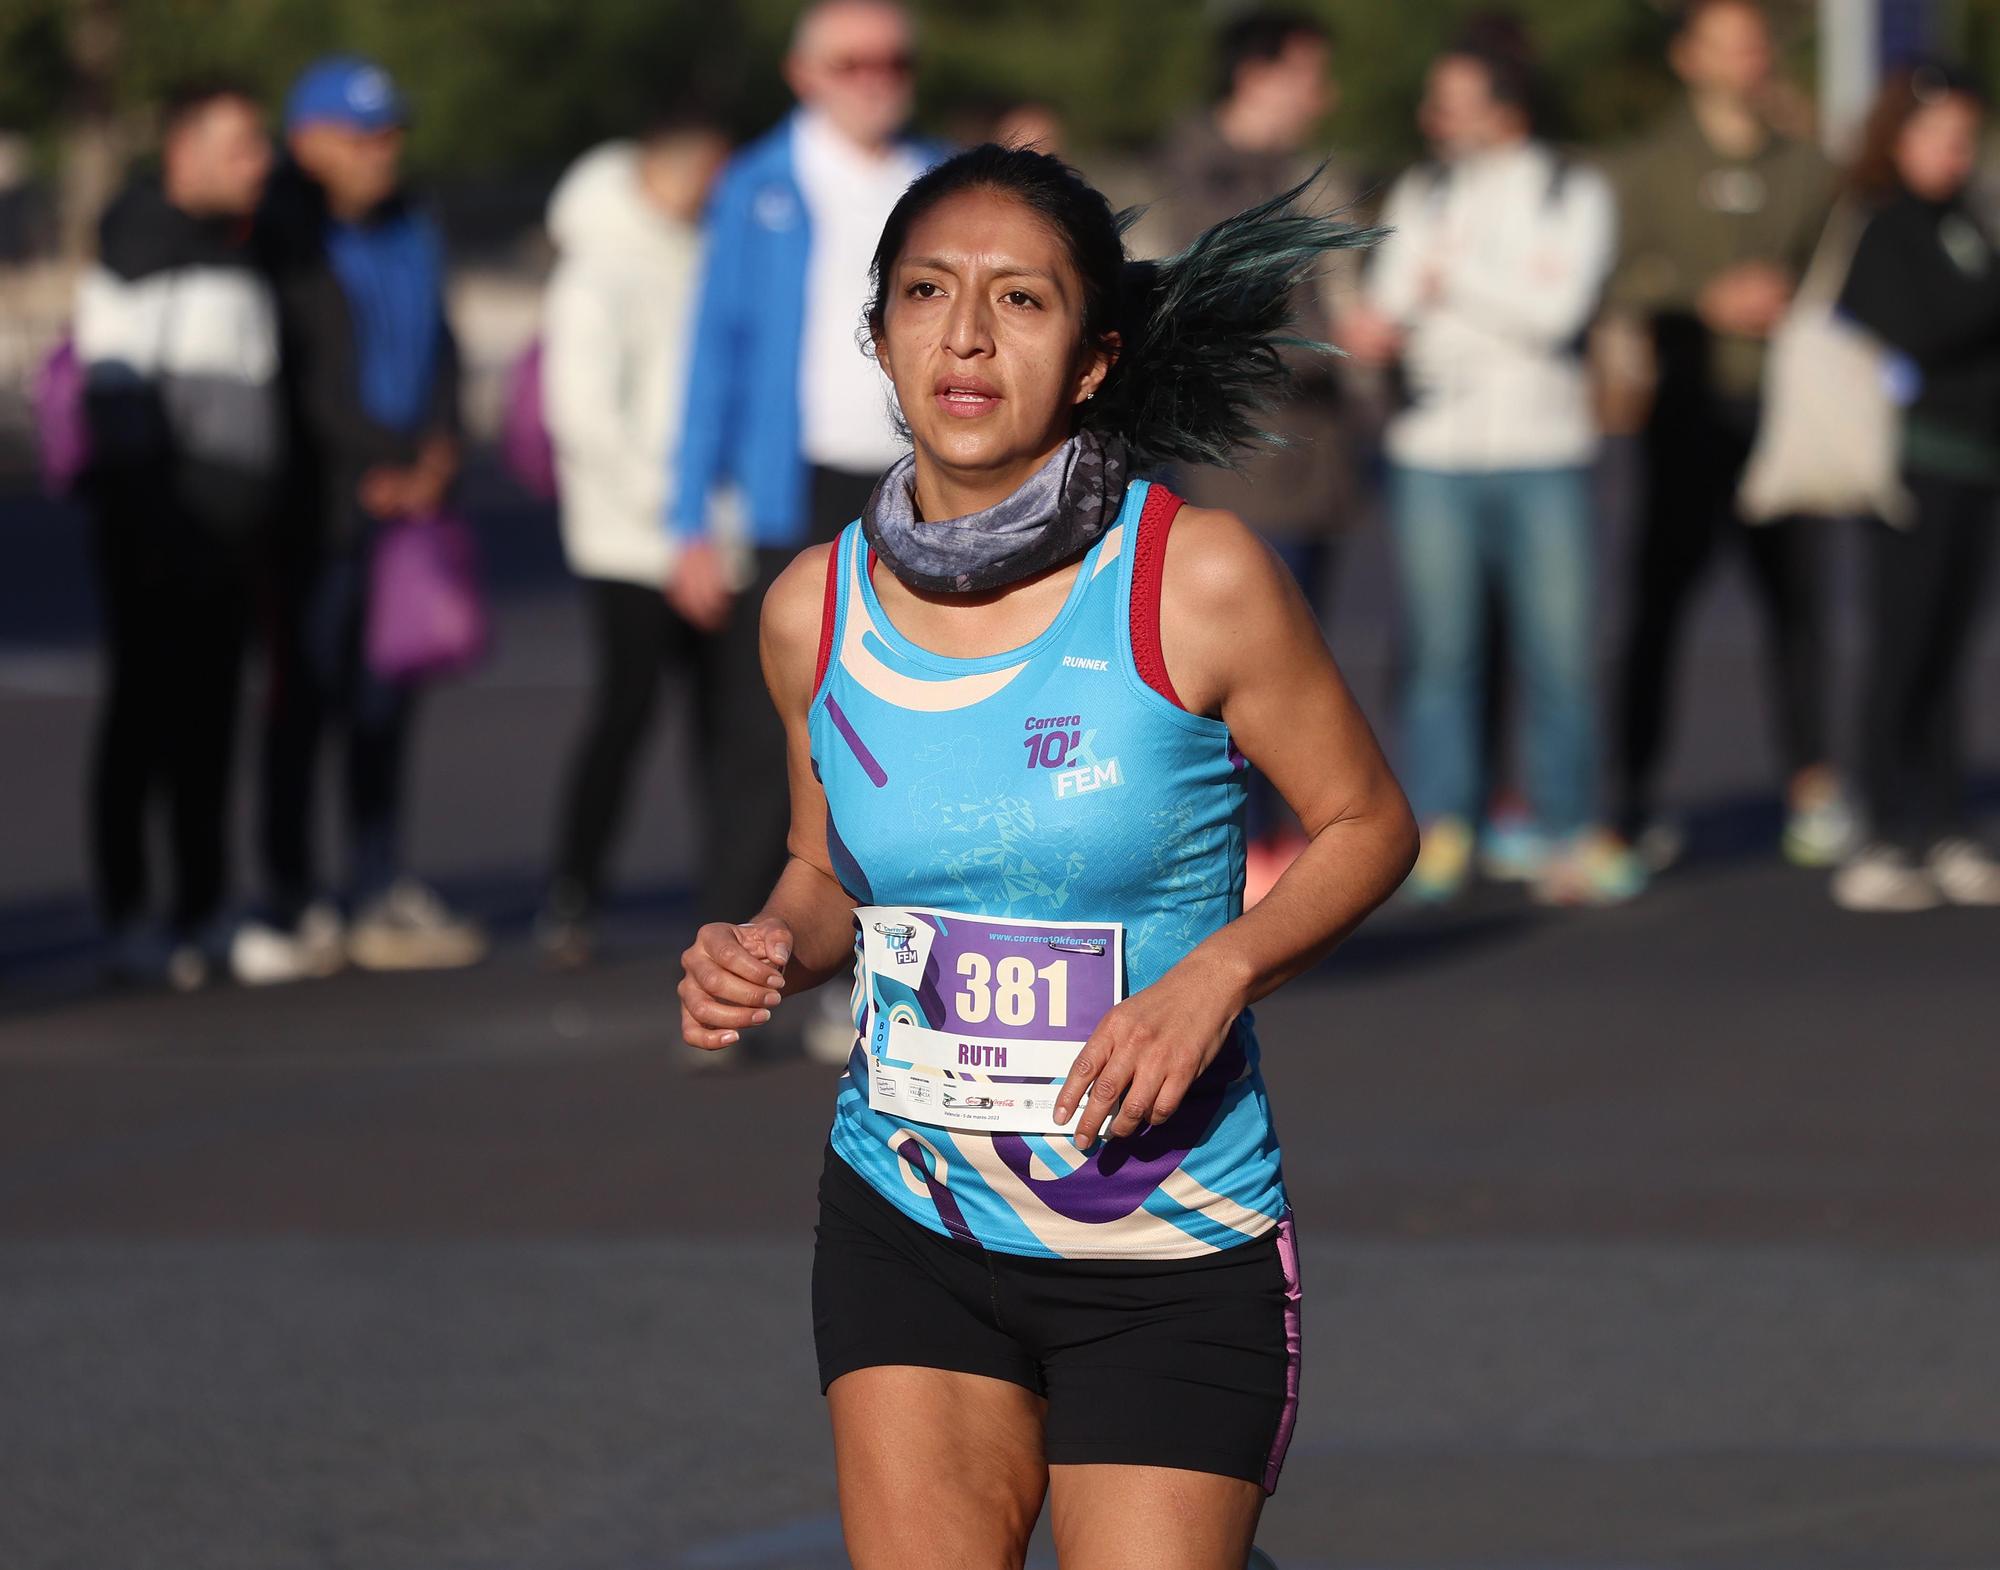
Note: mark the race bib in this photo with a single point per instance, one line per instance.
(973, 1021)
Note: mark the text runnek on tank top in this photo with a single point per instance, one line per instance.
(1050, 782)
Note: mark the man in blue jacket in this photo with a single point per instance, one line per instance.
(784, 413)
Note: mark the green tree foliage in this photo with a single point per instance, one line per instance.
(522, 85)
(32, 66)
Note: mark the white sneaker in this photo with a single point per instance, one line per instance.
(1965, 872)
(1881, 879)
(411, 928)
(261, 955)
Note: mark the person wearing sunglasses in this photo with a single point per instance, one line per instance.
(786, 428)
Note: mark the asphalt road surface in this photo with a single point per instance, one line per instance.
(1666, 1236)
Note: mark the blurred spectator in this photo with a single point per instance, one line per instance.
(783, 408)
(1274, 86)
(616, 329)
(178, 333)
(1926, 280)
(1494, 261)
(1721, 214)
(373, 376)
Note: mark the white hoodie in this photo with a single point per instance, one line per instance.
(617, 329)
(1495, 267)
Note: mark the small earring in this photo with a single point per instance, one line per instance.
(1088, 396)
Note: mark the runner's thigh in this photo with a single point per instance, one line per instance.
(936, 1468)
(1151, 1518)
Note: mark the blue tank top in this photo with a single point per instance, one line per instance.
(946, 787)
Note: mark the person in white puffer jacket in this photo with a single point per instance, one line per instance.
(616, 334)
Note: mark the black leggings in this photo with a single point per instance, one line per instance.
(321, 680)
(635, 634)
(1694, 461)
(1925, 587)
(175, 614)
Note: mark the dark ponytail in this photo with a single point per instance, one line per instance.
(1202, 332)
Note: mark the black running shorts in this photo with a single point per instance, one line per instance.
(1190, 1363)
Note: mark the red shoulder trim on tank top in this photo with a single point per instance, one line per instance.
(827, 612)
(1149, 561)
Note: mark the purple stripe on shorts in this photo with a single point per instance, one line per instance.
(841, 723)
(1288, 1260)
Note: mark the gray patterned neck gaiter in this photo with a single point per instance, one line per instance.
(1061, 510)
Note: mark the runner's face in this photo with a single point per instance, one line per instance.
(982, 335)
(1939, 148)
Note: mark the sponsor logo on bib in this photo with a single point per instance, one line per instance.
(901, 940)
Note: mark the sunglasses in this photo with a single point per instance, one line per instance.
(898, 65)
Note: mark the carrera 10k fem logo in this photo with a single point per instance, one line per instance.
(901, 938)
(1062, 746)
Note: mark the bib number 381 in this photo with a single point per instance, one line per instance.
(974, 1021)
(1014, 991)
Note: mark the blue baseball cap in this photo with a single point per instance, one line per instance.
(349, 91)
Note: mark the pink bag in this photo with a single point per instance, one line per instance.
(62, 434)
(526, 450)
(426, 612)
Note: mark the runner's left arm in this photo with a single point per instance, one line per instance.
(1242, 645)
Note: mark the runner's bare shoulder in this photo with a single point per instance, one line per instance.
(1221, 589)
(790, 626)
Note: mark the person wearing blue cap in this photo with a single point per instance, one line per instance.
(372, 372)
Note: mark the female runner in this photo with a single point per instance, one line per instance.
(1019, 693)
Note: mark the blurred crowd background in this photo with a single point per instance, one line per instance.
(295, 299)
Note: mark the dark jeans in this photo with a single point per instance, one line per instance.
(1925, 587)
(175, 612)
(1695, 455)
(1312, 563)
(320, 678)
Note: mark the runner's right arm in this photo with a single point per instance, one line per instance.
(804, 935)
